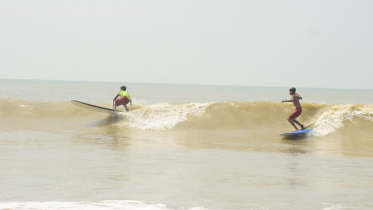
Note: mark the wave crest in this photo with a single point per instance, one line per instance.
(333, 117)
(162, 116)
(258, 116)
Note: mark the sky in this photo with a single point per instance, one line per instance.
(302, 43)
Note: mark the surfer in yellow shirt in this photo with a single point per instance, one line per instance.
(124, 98)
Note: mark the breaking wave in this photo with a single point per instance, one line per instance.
(162, 116)
(324, 118)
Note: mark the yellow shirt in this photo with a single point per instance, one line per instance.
(124, 93)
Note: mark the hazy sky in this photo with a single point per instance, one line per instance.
(302, 43)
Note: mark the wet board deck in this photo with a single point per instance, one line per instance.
(94, 107)
(296, 132)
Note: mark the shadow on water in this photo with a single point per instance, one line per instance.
(295, 150)
(296, 144)
(294, 138)
(120, 141)
(111, 119)
(110, 136)
(107, 133)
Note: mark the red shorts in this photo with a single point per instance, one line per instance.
(121, 101)
(296, 113)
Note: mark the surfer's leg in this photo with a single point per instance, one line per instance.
(292, 123)
(125, 106)
(302, 127)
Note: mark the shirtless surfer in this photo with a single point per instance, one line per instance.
(124, 98)
(298, 109)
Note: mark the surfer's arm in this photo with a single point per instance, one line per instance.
(131, 102)
(300, 97)
(116, 97)
(287, 101)
(291, 100)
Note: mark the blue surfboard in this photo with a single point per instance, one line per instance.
(296, 132)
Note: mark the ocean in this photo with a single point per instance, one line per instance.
(183, 147)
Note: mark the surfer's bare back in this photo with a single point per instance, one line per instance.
(298, 109)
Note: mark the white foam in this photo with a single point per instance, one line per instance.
(24, 105)
(333, 117)
(333, 206)
(102, 205)
(162, 116)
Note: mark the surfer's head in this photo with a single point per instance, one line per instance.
(123, 88)
(292, 90)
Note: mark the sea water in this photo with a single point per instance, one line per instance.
(183, 147)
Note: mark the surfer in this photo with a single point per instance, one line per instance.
(298, 109)
(123, 100)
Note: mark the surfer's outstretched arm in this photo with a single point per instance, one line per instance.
(291, 100)
(300, 97)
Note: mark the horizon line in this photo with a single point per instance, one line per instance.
(187, 84)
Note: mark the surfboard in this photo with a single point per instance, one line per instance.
(94, 107)
(296, 132)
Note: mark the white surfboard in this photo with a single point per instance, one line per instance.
(94, 107)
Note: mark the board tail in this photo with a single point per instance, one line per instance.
(94, 107)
